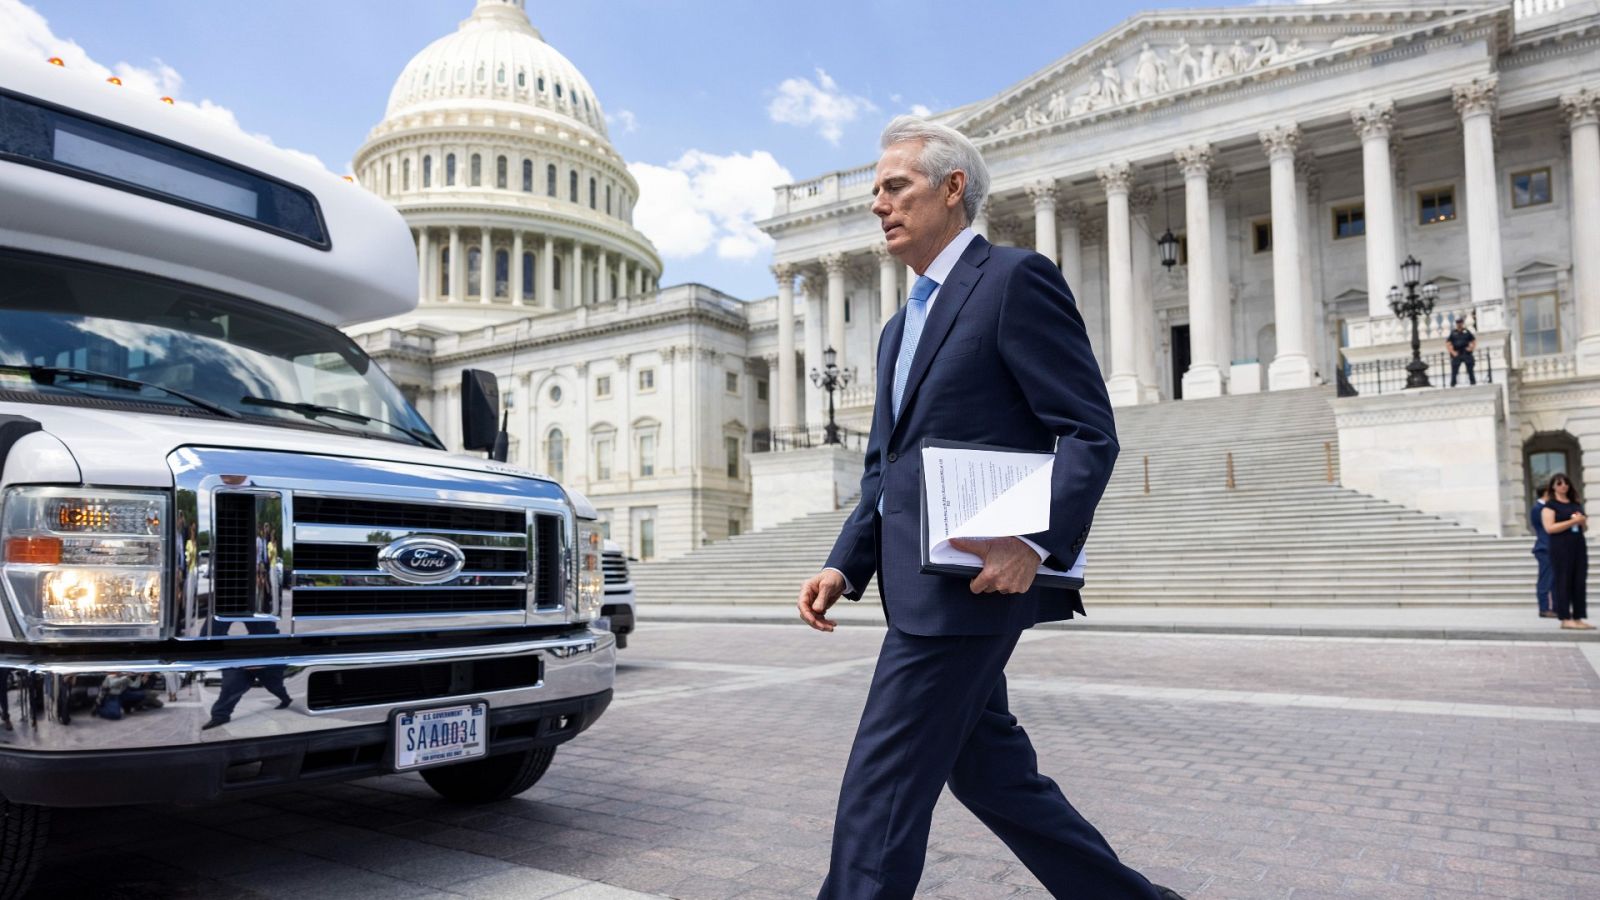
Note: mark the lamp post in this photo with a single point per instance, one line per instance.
(1413, 305)
(831, 378)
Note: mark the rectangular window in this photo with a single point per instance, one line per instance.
(1436, 205)
(647, 380)
(735, 527)
(731, 446)
(1349, 221)
(109, 155)
(647, 454)
(605, 523)
(1540, 331)
(847, 310)
(602, 459)
(761, 389)
(1261, 235)
(647, 539)
(732, 382)
(602, 386)
(1530, 188)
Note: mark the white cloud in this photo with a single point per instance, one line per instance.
(803, 102)
(26, 33)
(917, 109)
(624, 119)
(703, 201)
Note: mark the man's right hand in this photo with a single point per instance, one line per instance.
(817, 595)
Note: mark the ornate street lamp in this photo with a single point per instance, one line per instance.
(831, 378)
(1168, 243)
(1412, 305)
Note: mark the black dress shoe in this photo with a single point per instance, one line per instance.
(1166, 893)
(214, 723)
(284, 703)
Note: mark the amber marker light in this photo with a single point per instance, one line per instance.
(168, 101)
(57, 61)
(114, 80)
(45, 551)
(348, 178)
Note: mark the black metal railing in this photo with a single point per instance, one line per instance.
(1388, 376)
(803, 437)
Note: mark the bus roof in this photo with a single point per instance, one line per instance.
(353, 259)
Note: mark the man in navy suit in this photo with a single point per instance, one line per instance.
(989, 349)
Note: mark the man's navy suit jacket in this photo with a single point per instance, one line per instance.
(1003, 360)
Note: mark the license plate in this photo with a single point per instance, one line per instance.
(428, 737)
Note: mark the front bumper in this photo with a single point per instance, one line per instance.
(58, 748)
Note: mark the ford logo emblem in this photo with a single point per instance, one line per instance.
(422, 560)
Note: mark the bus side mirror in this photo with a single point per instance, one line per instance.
(480, 409)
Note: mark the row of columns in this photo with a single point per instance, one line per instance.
(626, 277)
(1205, 188)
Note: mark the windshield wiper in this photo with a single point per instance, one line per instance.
(49, 375)
(317, 410)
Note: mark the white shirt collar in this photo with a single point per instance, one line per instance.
(939, 269)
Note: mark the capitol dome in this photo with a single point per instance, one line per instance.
(495, 149)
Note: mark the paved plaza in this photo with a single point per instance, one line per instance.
(1226, 766)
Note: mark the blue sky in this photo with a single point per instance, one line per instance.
(711, 102)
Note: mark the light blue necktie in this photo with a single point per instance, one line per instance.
(916, 317)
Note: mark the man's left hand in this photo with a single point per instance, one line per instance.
(1009, 565)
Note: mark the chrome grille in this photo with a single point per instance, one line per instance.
(615, 566)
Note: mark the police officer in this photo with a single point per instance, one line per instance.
(1461, 343)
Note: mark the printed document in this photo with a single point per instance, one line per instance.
(972, 492)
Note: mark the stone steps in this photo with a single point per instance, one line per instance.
(1282, 537)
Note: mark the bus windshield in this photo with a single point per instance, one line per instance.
(165, 344)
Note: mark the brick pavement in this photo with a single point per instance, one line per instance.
(1225, 767)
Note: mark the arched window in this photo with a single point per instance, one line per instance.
(480, 71)
(427, 171)
(1547, 453)
(572, 185)
(444, 271)
(592, 204)
(556, 273)
(405, 174)
(550, 179)
(500, 173)
(527, 176)
(500, 75)
(477, 170)
(502, 273)
(608, 199)
(474, 273)
(555, 454)
(527, 275)
(522, 79)
(450, 170)
(558, 90)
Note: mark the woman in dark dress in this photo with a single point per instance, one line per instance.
(1565, 522)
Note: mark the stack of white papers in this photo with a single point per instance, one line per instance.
(981, 493)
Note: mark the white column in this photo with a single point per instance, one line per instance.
(458, 267)
(1373, 124)
(485, 268)
(579, 297)
(602, 277)
(834, 263)
(888, 299)
(638, 280)
(1070, 248)
(1307, 188)
(1142, 244)
(1219, 187)
(424, 251)
(1123, 384)
(815, 337)
(1043, 195)
(1583, 118)
(515, 287)
(783, 389)
(1290, 369)
(547, 274)
(624, 270)
(1475, 103)
(1204, 378)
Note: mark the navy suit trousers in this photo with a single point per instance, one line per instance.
(937, 714)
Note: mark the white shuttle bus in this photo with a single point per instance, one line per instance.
(233, 558)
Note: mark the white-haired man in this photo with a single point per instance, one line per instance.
(989, 349)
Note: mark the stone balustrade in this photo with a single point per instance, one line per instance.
(1555, 367)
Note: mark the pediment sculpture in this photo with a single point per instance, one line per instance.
(1152, 72)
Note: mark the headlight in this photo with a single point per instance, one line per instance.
(82, 564)
(591, 576)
